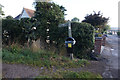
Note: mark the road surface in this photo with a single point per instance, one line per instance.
(110, 52)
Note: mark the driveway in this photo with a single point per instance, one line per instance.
(110, 52)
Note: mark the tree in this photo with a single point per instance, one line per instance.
(10, 30)
(28, 30)
(9, 17)
(105, 28)
(49, 16)
(75, 19)
(84, 36)
(97, 20)
(18, 31)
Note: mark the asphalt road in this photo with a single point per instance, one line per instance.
(110, 52)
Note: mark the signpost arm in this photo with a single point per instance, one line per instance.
(69, 29)
(69, 33)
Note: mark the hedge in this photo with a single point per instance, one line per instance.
(84, 36)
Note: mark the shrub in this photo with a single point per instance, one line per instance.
(118, 33)
(84, 36)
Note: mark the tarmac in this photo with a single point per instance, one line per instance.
(110, 53)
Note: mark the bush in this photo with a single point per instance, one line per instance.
(84, 36)
(118, 33)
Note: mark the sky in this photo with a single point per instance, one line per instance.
(75, 8)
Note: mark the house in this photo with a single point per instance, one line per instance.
(26, 13)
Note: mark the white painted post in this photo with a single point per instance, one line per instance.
(70, 35)
(69, 29)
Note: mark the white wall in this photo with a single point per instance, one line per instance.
(24, 14)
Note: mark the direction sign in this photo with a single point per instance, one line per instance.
(63, 25)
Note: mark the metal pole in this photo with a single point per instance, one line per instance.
(70, 35)
(69, 29)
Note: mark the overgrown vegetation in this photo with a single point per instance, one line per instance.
(71, 74)
(84, 36)
(10, 30)
(46, 59)
(46, 20)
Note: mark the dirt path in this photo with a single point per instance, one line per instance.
(19, 71)
(24, 71)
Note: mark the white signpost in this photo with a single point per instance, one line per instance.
(69, 27)
(69, 33)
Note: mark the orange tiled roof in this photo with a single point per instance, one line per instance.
(29, 12)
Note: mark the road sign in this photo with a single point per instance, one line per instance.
(63, 25)
(69, 27)
(69, 34)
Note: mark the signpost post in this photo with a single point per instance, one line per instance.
(69, 29)
(69, 34)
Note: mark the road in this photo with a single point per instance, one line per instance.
(110, 52)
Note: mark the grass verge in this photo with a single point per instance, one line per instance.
(40, 58)
(71, 74)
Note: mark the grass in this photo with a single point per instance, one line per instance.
(46, 59)
(71, 74)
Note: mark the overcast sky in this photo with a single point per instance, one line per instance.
(75, 8)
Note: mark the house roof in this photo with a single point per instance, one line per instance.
(29, 12)
(17, 17)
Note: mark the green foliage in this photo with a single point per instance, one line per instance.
(15, 48)
(84, 36)
(41, 58)
(96, 19)
(75, 19)
(10, 30)
(105, 28)
(73, 75)
(9, 17)
(28, 32)
(118, 33)
(70, 74)
(49, 16)
(18, 31)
